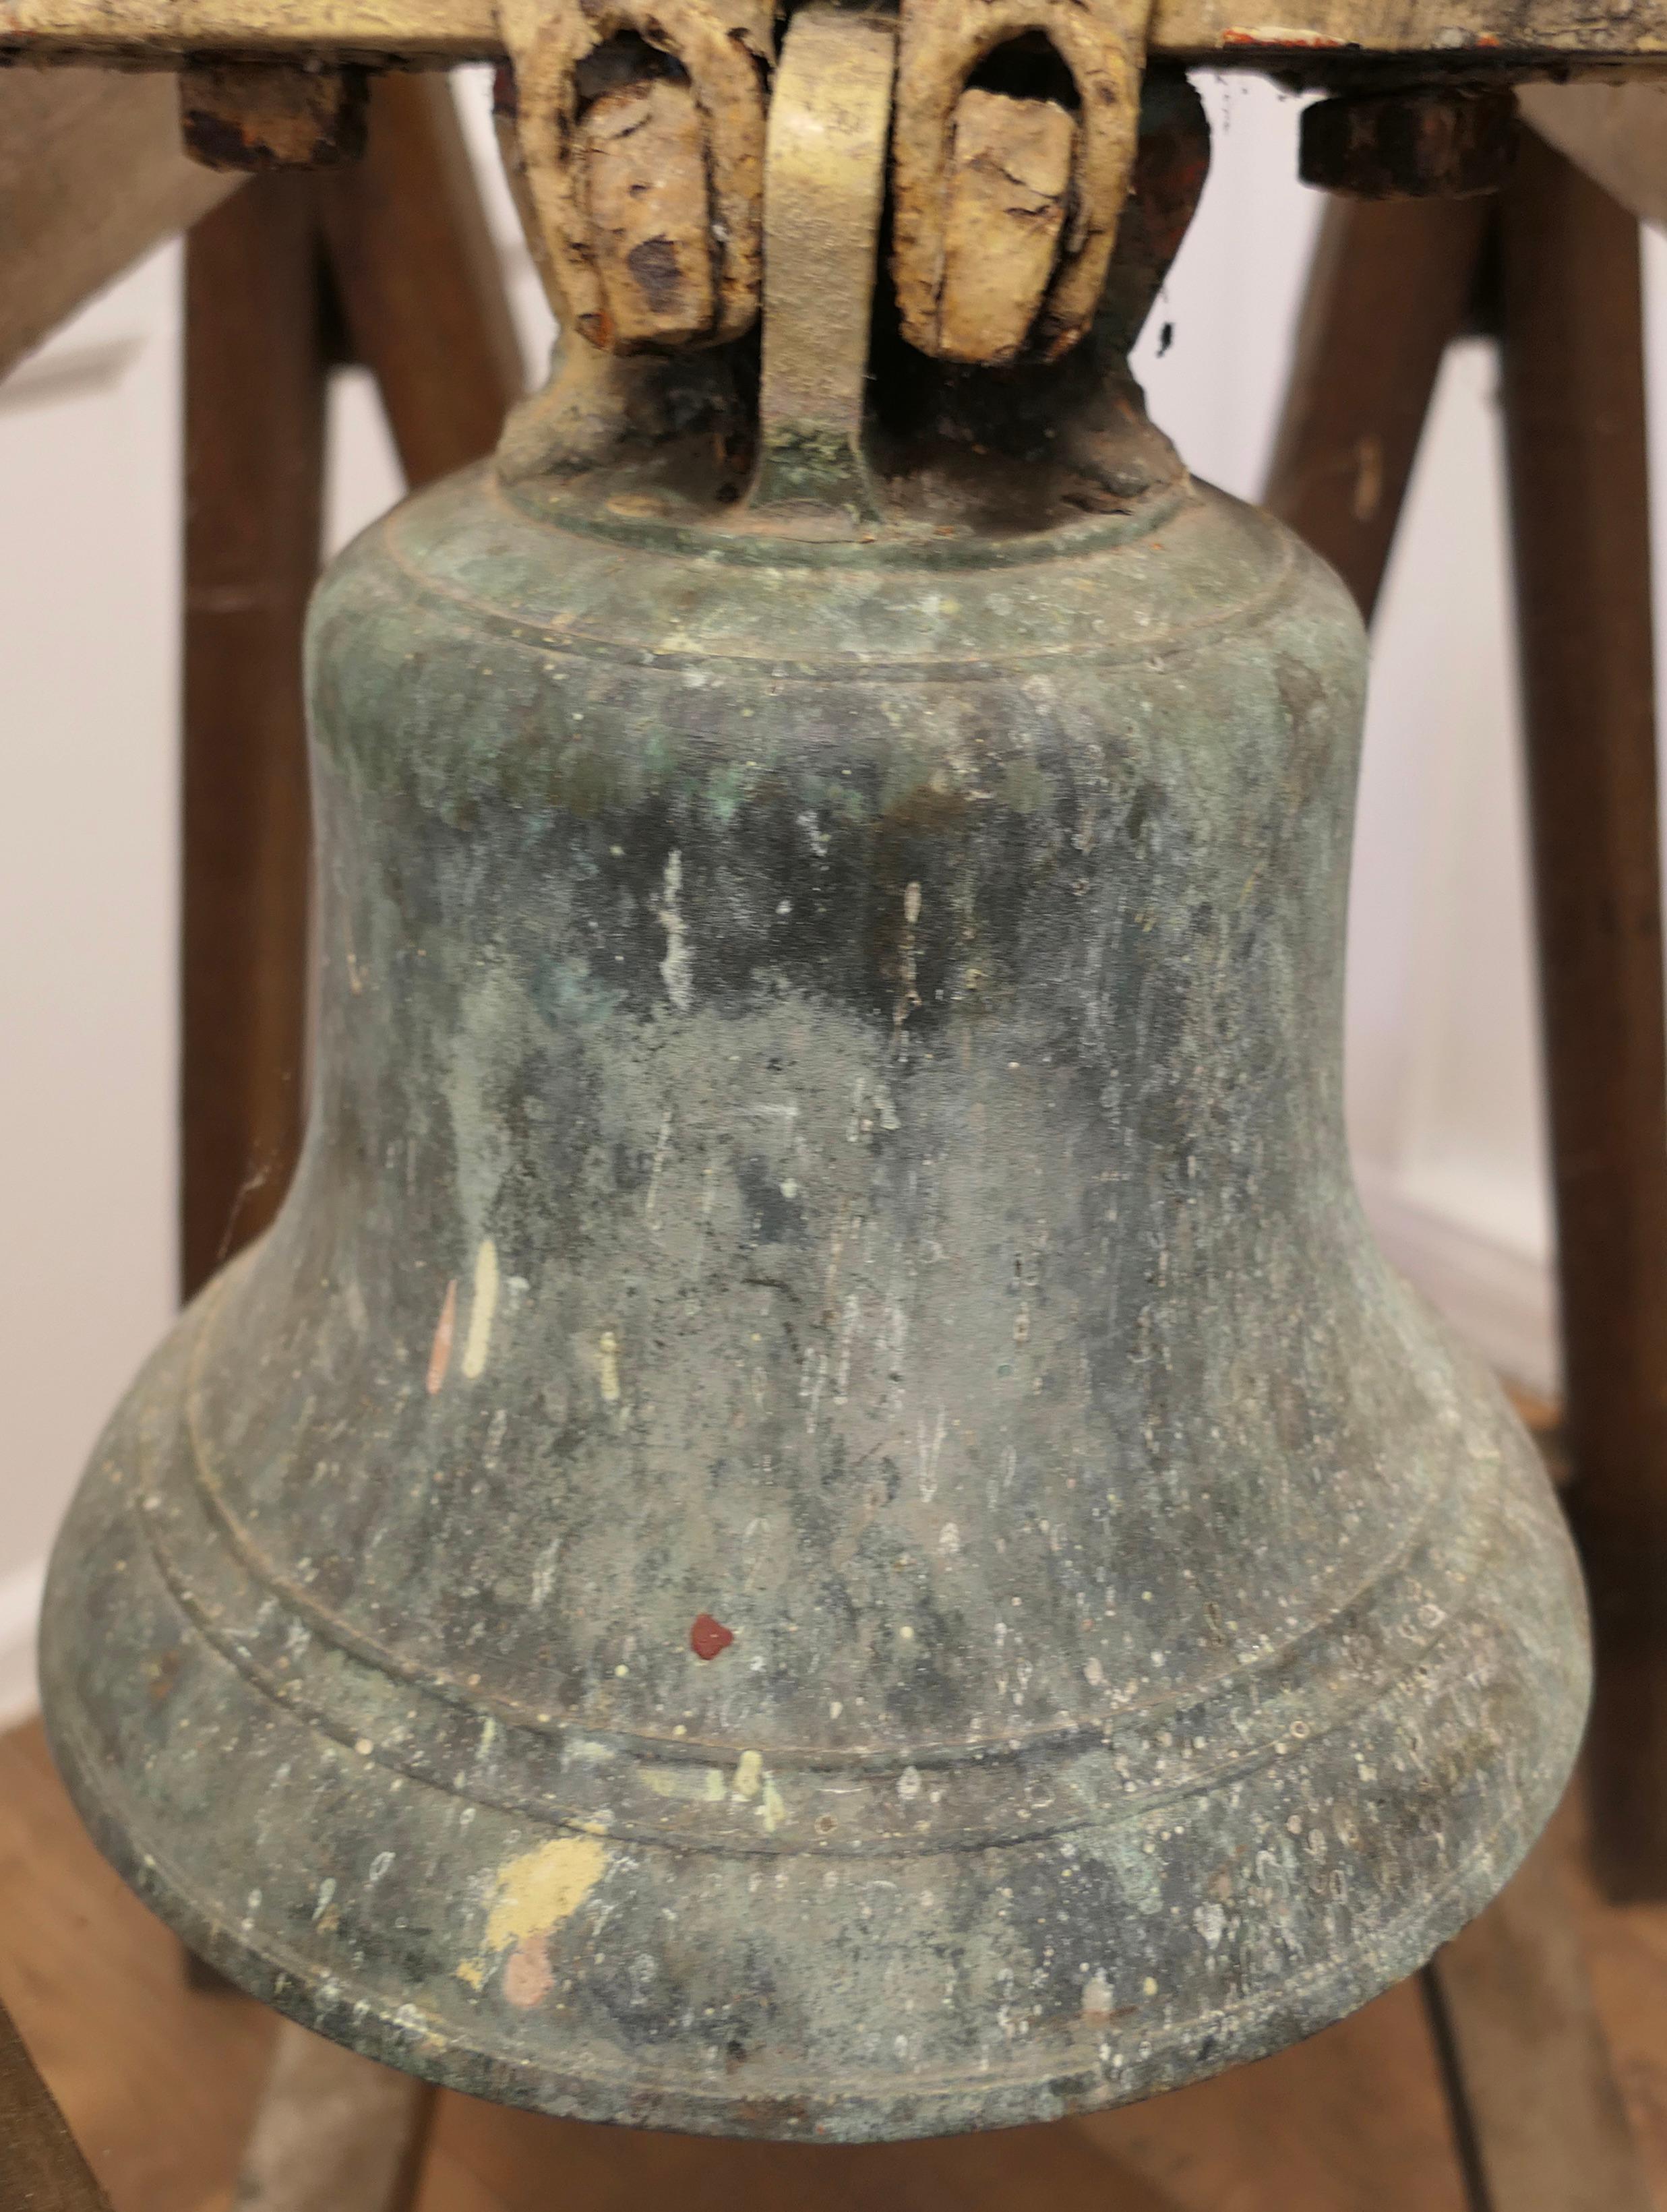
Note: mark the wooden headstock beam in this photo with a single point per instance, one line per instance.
(1316, 40)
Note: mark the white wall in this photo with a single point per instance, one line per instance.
(1442, 1044)
(88, 524)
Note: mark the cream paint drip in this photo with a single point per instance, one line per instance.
(772, 1806)
(482, 1308)
(354, 980)
(749, 1774)
(676, 970)
(607, 1365)
(694, 1784)
(534, 1894)
(440, 1355)
(909, 996)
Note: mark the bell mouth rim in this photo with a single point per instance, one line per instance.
(874, 2105)
(184, 1504)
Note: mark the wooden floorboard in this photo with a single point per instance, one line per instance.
(159, 2082)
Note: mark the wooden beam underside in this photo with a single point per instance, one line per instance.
(1303, 34)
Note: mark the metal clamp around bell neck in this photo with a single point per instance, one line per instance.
(1026, 211)
(1007, 210)
(824, 187)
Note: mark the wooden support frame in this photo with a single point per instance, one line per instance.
(1538, 2111)
(334, 2133)
(1321, 37)
(1556, 275)
(259, 318)
(41, 2169)
(1554, 270)
(255, 373)
(92, 175)
(1572, 344)
(397, 253)
(1389, 287)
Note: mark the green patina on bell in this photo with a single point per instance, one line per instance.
(819, 1517)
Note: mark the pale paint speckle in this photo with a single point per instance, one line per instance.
(439, 1352)
(544, 1573)
(772, 1809)
(699, 1784)
(1097, 1998)
(928, 1448)
(676, 970)
(749, 1774)
(908, 996)
(607, 1366)
(526, 1973)
(482, 1308)
(662, 1145)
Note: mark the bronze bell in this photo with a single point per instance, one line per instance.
(819, 1517)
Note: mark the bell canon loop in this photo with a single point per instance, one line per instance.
(819, 1517)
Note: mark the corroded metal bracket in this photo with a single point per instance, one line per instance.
(645, 198)
(1006, 209)
(637, 148)
(826, 184)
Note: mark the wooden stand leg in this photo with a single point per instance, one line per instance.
(41, 2169)
(421, 290)
(402, 239)
(420, 280)
(1535, 2106)
(255, 377)
(1388, 289)
(334, 2133)
(1537, 2109)
(1574, 407)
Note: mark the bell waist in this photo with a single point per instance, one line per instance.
(1416, 1614)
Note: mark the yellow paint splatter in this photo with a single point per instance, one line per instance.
(535, 1892)
(482, 1309)
(543, 1886)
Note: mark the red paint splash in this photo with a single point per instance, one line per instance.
(709, 1637)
